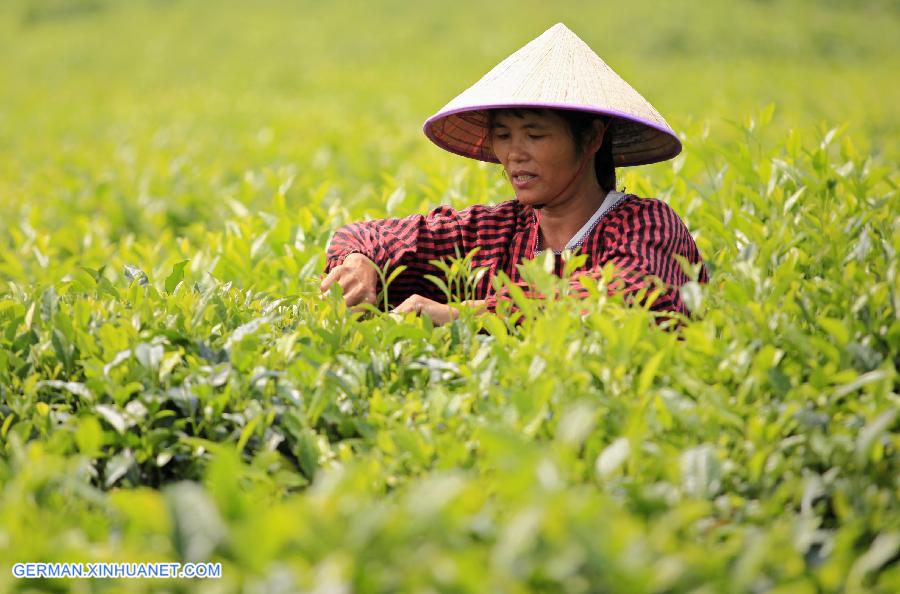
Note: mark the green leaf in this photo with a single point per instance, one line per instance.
(649, 372)
(133, 273)
(496, 327)
(700, 472)
(576, 424)
(246, 433)
(871, 433)
(440, 285)
(836, 329)
(176, 276)
(612, 458)
(149, 355)
(692, 295)
(76, 388)
(89, 436)
(117, 467)
(112, 416)
(198, 528)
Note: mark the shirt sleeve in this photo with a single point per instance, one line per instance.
(641, 239)
(415, 240)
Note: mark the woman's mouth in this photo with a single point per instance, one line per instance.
(522, 181)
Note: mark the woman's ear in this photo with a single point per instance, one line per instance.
(598, 131)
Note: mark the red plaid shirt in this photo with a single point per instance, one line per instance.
(640, 236)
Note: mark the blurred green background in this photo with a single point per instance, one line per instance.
(148, 114)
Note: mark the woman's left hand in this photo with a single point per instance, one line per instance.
(439, 313)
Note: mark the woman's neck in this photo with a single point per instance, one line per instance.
(560, 222)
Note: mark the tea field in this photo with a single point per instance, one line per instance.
(174, 387)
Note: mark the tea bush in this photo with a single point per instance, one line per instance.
(173, 386)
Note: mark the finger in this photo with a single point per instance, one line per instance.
(356, 290)
(442, 314)
(476, 304)
(362, 299)
(405, 307)
(332, 276)
(413, 304)
(358, 294)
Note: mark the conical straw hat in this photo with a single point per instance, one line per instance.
(556, 70)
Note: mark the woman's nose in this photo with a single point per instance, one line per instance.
(517, 151)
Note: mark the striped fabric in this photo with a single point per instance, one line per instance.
(640, 236)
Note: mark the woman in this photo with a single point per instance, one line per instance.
(559, 121)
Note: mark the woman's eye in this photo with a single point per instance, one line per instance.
(536, 136)
(501, 136)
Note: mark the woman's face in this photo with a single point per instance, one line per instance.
(538, 153)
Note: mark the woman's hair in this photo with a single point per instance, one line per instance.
(580, 126)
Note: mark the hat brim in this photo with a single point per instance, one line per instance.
(636, 141)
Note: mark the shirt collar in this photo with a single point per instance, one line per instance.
(612, 198)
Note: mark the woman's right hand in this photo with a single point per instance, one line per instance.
(357, 276)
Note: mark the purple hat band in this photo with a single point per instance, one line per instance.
(636, 141)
